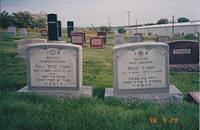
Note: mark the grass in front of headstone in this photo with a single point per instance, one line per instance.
(33, 112)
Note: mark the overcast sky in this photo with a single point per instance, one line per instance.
(100, 12)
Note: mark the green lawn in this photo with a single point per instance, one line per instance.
(33, 112)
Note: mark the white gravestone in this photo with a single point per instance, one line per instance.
(23, 31)
(12, 30)
(141, 71)
(55, 70)
(22, 45)
(118, 39)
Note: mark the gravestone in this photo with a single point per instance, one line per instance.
(78, 38)
(59, 29)
(184, 52)
(141, 73)
(23, 31)
(52, 27)
(118, 39)
(195, 96)
(22, 45)
(44, 32)
(12, 30)
(70, 28)
(163, 39)
(184, 55)
(134, 38)
(55, 69)
(97, 42)
(140, 36)
(103, 35)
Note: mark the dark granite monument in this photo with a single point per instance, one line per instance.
(52, 27)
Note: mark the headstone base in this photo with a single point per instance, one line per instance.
(174, 95)
(84, 91)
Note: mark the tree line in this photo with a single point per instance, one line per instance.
(23, 19)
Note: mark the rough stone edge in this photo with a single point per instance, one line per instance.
(174, 95)
(85, 91)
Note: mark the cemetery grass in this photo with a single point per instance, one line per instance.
(34, 112)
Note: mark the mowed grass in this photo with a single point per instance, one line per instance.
(34, 112)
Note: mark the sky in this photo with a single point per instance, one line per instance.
(102, 12)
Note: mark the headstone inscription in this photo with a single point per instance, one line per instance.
(12, 30)
(59, 29)
(55, 69)
(163, 39)
(22, 45)
(78, 38)
(103, 35)
(23, 31)
(52, 27)
(97, 42)
(44, 32)
(141, 73)
(118, 39)
(70, 28)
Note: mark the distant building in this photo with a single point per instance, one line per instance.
(167, 29)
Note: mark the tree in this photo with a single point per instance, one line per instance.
(162, 21)
(5, 19)
(105, 29)
(121, 30)
(182, 20)
(39, 20)
(22, 19)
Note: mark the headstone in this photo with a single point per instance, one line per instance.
(141, 73)
(134, 38)
(23, 31)
(55, 69)
(52, 27)
(12, 30)
(78, 38)
(183, 52)
(97, 42)
(103, 35)
(118, 39)
(163, 39)
(140, 36)
(70, 28)
(22, 45)
(59, 29)
(44, 32)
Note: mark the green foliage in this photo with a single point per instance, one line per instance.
(23, 20)
(121, 30)
(162, 21)
(105, 29)
(182, 20)
(5, 19)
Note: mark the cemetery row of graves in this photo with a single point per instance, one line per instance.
(137, 71)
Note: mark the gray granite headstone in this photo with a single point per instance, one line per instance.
(141, 72)
(55, 69)
(118, 39)
(163, 39)
(22, 45)
(23, 31)
(134, 38)
(12, 30)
